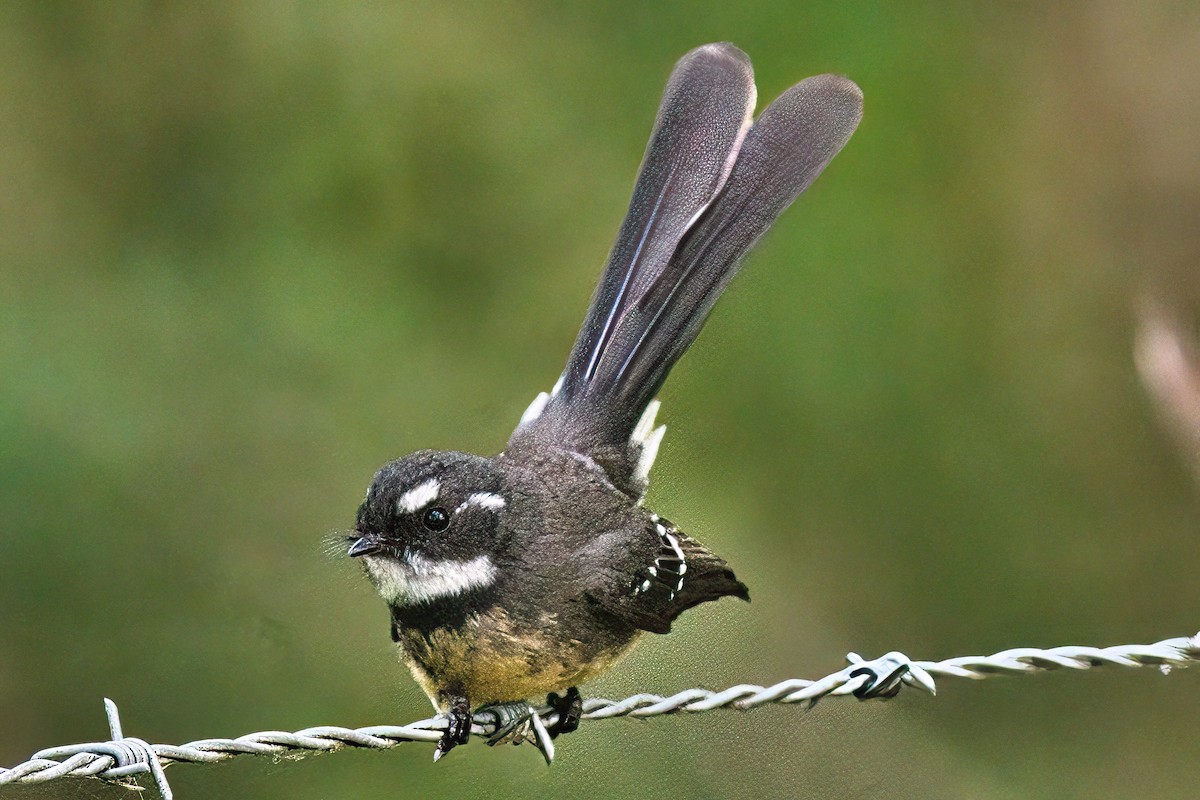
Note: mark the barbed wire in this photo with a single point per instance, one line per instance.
(122, 758)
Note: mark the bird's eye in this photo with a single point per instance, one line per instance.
(436, 519)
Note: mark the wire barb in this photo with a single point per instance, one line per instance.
(122, 758)
(115, 760)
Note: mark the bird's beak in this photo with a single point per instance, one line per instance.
(364, 546)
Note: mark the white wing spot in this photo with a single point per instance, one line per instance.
(669, 566)
(671, 540)
(418, 496)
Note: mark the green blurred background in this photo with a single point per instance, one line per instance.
(250, 251)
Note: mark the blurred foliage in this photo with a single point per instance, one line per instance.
(250, 251)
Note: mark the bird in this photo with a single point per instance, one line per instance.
(533, 571)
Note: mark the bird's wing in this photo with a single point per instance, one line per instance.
(649, 586)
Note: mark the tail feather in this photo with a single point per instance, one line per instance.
(702, 120)
(707, 191)
(784, 152)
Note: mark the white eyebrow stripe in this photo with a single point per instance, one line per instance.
(488, 500)
(418, 496)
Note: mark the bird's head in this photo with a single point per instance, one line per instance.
(429, 527)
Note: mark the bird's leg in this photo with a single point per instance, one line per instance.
(458, 726)
(511, 721)
(569, 709)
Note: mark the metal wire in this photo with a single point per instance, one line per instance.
(122, 758)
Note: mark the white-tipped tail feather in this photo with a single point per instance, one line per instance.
(535, 408)
(647, 438)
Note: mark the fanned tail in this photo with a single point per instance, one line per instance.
(707, 191)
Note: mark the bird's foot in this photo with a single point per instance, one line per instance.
(569, 709)
(458, 727)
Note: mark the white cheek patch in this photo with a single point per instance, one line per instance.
(417, 579)
(488, 500)
(418, 496)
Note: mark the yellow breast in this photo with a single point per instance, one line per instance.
(490, 660)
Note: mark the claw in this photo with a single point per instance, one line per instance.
(543, 739)
(458, 727)
(569, 710)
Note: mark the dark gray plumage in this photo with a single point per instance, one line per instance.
(535, 570)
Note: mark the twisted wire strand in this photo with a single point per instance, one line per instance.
(123, 758)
